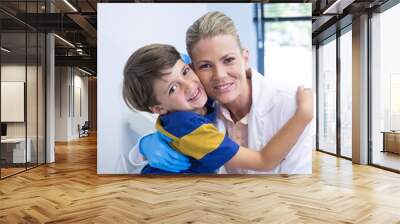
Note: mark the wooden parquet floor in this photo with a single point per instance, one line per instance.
(70, 191)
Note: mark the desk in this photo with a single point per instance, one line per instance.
(391, 141)
(15, 148)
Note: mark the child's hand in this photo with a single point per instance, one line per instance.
(305, 104)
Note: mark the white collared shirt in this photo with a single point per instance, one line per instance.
(237, 131)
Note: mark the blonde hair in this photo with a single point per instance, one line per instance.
(210, 25)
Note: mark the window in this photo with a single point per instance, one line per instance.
(394, 102)
(385, 89)
(287, 43)
(327, 96)
(346, 94)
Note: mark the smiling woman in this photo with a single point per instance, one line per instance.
(221, 66)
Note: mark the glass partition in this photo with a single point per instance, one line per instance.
(22, 90)
(346, 94)
(31, 100)
(13, 103)
(327, 96)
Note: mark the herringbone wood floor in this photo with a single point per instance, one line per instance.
(70, 191)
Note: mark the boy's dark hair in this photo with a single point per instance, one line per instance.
(143, 67)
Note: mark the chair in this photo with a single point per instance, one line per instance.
(84, 130)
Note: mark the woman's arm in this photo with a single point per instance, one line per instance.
(279, 146)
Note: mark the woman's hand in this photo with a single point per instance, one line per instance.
(305, 104)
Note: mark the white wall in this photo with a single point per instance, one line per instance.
(122, 29)
(67, 81)
(61, 103)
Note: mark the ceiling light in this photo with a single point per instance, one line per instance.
(65, 41)
(70, 5)
(337, 7)
(5, 50)
(79, 51)
(84, 71)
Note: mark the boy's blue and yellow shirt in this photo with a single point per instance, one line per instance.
(194, 135)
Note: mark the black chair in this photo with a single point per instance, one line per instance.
(84, 130)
